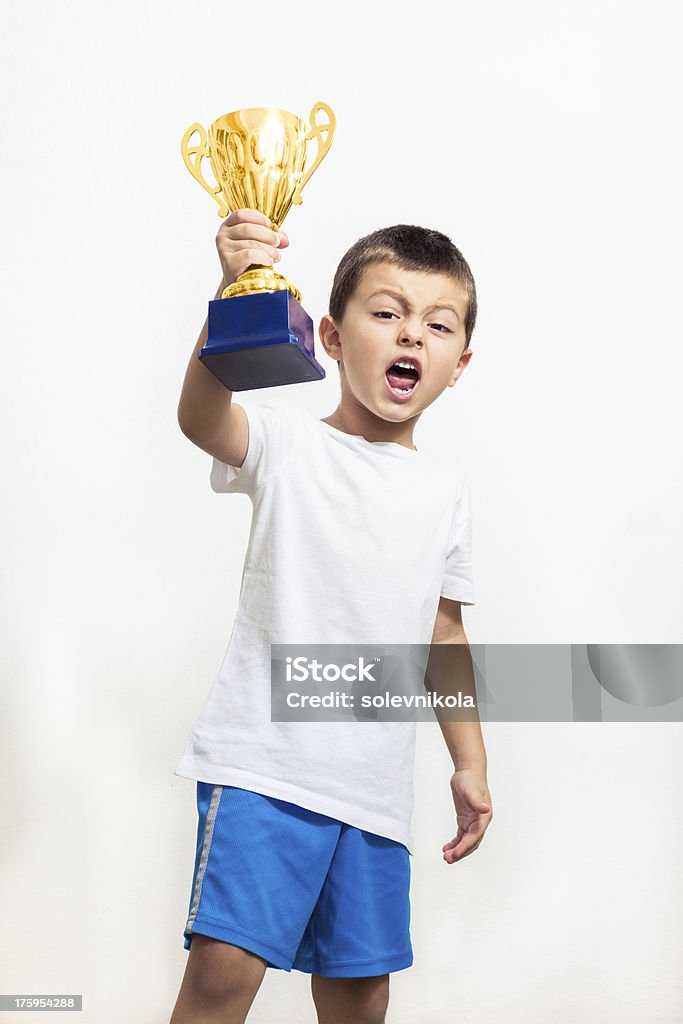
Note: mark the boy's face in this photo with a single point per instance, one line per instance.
(399, 315)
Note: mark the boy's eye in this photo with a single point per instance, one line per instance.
(387, 313)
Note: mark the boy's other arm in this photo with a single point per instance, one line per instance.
(450, 670)
(463, 738)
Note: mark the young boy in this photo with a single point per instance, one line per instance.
(303, 844)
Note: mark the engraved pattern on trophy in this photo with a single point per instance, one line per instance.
(258, 161)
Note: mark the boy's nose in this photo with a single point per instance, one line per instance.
(411, 330)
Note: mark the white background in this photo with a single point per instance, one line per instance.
(546, 140)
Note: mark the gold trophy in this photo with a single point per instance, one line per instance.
(259, 333)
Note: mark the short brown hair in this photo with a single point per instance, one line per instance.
(409, 247)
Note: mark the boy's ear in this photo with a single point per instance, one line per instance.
(463, 363)
(329, 337)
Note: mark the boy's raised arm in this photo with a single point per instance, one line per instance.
(204, 400)
(206, 414)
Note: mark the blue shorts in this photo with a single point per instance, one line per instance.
(298, 888)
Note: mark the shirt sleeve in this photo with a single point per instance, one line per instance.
(458, 584)
(272, 436)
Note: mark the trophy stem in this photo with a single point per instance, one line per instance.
(260, 279)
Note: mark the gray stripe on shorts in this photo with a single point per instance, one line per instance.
(203, 860)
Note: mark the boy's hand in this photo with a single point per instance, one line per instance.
(246, 237)
(473, 812)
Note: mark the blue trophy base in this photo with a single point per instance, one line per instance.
(260, 341)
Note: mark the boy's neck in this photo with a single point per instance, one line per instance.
(360, 422)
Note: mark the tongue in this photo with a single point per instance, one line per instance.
(401, 378)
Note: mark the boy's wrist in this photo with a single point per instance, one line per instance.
(471, 766)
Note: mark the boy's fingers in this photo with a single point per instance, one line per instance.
(253, 233)
(254, 225)
(250, 217)
(247, 216)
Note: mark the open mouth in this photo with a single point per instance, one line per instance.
(403, 376)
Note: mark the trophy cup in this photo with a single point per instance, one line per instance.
(259, 336)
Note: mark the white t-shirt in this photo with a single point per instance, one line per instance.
(352, 542)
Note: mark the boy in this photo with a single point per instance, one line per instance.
(303, 845)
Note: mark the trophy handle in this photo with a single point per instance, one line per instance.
(193, 156)
(323, 144)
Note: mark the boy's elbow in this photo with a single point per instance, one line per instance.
(187, 424)
(182, 424)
